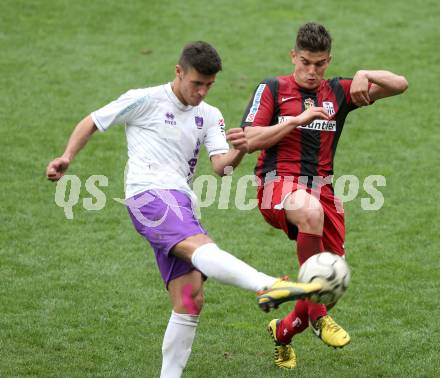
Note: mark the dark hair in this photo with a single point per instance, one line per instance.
(201, 56)
(313, 37)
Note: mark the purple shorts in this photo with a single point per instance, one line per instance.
(165, 218)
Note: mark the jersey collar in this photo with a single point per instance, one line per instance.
(174, 99)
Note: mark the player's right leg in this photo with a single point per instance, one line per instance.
(166, 219)
(220, 265)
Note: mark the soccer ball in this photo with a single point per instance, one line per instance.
(331, 271)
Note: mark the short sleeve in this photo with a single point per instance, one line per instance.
(261, 107)
(124, 110)
(346, 85)
(215, 138)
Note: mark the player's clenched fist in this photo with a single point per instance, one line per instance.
(359, 89)
(237, 138)
(56, 168)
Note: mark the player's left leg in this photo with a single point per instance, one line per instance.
(186, 294)
(323, 325)
(284, 355)
(282, 332)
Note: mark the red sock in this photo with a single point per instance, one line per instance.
(315, 310)
(298, 320)
(308, 245)
(295, 322)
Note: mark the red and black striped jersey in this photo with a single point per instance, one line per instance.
(309, 150)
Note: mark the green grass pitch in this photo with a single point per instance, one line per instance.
(83, 297)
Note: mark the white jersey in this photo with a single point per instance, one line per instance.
(163, 137)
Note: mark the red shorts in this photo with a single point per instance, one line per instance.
(270, 203)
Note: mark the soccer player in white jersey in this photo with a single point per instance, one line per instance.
(165, 128)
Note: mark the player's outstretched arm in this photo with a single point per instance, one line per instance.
(384, 84)
(263, 137)
(79, 138)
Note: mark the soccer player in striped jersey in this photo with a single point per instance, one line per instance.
(296, 121)
(165, 127)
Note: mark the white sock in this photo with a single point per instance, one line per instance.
(227, 269)
(177, 343)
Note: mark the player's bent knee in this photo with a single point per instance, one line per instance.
(314, 217)
(186, 293)
(199, 300)
(301, 201)
(193, 306)
(310, 219)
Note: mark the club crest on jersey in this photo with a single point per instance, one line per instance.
(328, 106)
(170, 119)
(199, 122)
(308, 103)
(255, 103)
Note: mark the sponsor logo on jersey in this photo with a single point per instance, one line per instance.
(199, 122)
(308, 103)
(329, 108)
(256, 103)
(318, 124)
(170, 119)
